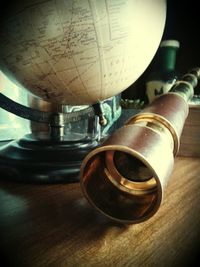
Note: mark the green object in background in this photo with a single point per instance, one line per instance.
(164, 75)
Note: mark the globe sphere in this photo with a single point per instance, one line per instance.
(79, 51)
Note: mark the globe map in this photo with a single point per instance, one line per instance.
(79, 51)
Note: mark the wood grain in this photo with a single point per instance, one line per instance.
(53, 225)
(190, 139)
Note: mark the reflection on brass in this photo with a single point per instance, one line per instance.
(133, 176)
(125, 177)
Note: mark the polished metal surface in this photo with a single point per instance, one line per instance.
(125, 177)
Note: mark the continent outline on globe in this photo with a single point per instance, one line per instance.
(79, 52)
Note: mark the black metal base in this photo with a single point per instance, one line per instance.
(43, 160)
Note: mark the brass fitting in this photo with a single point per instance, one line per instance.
(125, 177)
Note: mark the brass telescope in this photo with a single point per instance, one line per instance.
(125, 177)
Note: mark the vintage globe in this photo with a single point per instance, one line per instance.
(79, 51)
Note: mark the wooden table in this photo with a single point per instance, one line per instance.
(53, 225)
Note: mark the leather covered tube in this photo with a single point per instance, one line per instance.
(125, 178)
(171, 110)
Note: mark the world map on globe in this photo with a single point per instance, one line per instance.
(79, 51)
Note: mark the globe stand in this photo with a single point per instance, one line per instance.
(44, 157)
(31, 159)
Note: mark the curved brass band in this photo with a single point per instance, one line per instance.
(100, 178)
(155, 118)
(171, 112)
(132, 187)
(125, 177)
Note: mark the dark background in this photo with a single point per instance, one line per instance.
(182, 24)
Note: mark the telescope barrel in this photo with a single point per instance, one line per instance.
(125, 178)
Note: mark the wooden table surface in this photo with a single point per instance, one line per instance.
(53, 225)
